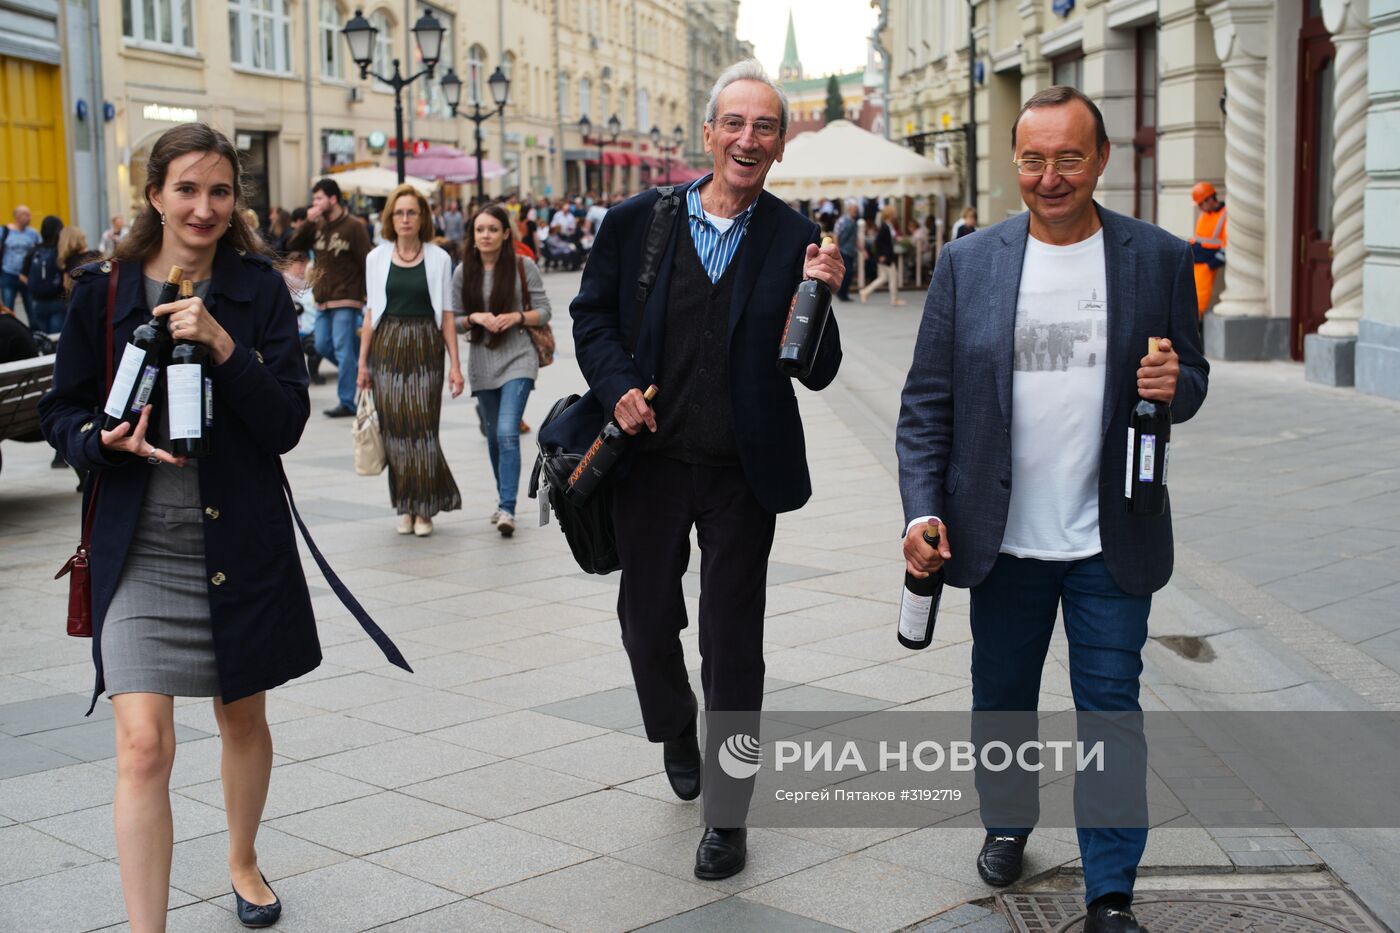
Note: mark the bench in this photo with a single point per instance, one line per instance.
(22, 383)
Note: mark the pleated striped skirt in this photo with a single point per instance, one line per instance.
(406, 361)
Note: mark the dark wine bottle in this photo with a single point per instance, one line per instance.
(189, 395)
(918, 605)
(601, 456)
(139, 371)
(806, 322)
(1149, 441)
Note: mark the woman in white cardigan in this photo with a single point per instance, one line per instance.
(406, 328)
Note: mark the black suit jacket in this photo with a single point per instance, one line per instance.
(767, 425)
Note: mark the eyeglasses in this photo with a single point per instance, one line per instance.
(407, 215)
(765, 129)
(1068, 166)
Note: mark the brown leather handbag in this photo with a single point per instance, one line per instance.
(541, 335)
(79, 577)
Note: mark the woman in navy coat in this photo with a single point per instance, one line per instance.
(204, 596)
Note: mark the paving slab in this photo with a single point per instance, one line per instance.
(482, 858)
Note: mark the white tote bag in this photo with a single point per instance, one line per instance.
(364, 435)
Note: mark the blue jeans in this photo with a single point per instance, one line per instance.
(335, 341)
(10, 286)
(46, 315)
(1013, 616)
(502, 408)
(850, 261)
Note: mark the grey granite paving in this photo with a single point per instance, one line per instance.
(507, 785)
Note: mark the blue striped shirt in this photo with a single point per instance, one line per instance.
(714, 248)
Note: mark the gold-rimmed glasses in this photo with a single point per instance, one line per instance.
(1066, 166)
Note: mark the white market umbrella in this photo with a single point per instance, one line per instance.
(841, 160)
(377, 182)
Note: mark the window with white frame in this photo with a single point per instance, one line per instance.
(165, 24)
(563, 95)
(604, 99)
(383, 60)
(475, 91)
(260, 35)
(643, 111)
(585, 98)
(331, 55)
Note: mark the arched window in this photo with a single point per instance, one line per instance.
(564, 95)
(332, 56)
(622, 112)
(383, 62)
(643, 111)
(604, 100)
(476, 76)
(585, 98)
(519, 82)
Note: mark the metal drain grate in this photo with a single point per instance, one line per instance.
(1298, 911)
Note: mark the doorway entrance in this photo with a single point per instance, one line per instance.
(1312, 202)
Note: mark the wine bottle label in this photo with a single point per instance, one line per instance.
(208, 402)
(913, 615)
(1166, 456)
(124, 381)
(145, 388)
(184, 393)
(1147, 458)
(1128, 468)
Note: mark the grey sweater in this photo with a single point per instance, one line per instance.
(514, 356)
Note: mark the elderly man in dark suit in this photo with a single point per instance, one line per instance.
(723, 450)
(1023, 466)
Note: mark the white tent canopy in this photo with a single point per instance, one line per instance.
(377, 182)
(841, 160)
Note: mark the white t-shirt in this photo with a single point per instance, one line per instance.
(722, 224)
(1057, 395)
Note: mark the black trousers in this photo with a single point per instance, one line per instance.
(654, 508)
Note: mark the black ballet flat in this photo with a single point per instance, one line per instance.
(257, 916)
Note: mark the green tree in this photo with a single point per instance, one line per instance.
(835, 110)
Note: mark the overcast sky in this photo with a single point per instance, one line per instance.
(831, 34)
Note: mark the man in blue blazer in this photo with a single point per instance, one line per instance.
(722, 450)
(1012, 437)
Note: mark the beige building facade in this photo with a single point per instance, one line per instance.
(1272, 102)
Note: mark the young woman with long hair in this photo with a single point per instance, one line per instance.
(197, 589)
(502, 365)
(44, 279)
(408, 319)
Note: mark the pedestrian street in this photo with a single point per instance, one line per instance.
(506, 783)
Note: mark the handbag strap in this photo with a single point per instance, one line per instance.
(347, 599)
(96, 478)
(658, 235)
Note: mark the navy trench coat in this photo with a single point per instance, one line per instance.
(264, 630)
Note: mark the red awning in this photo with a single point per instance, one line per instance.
(621, 158)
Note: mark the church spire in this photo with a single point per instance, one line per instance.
(791, 69)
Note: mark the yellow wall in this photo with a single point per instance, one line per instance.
(33, 157)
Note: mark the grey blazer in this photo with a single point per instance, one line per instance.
(954, 432)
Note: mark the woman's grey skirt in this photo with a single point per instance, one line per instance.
(158, 636)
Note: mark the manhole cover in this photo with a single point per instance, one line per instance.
(1300, 911)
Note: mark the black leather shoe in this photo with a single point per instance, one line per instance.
(1108, 919)
(257, 916)
(339, 411)
(683, 765)
(722, 853)
(999, 862)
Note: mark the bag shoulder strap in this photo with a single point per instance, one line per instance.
(347, 599)
(659, 227)
(524, 285)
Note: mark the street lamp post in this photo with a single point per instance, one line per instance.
(585, 128)
(500, 96)
(677, 139)
(427, 33)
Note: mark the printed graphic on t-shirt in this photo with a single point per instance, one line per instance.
(1061, 332)
(334, 244)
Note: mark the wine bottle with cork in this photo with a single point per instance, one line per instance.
(918, 604)
(601, 456)
(189, 393)
(806, 322)
(1149, 440)
(134, 385)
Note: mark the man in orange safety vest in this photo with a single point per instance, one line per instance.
(1208, 244)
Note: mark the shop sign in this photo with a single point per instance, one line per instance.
(163, 114)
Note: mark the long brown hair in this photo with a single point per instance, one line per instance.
(146, 235)
(504, 278)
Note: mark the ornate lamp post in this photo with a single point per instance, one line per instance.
(585, 128)
(427, 33)
(677, 139)
(500, 96)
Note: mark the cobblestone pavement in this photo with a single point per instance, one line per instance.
(506, 784)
